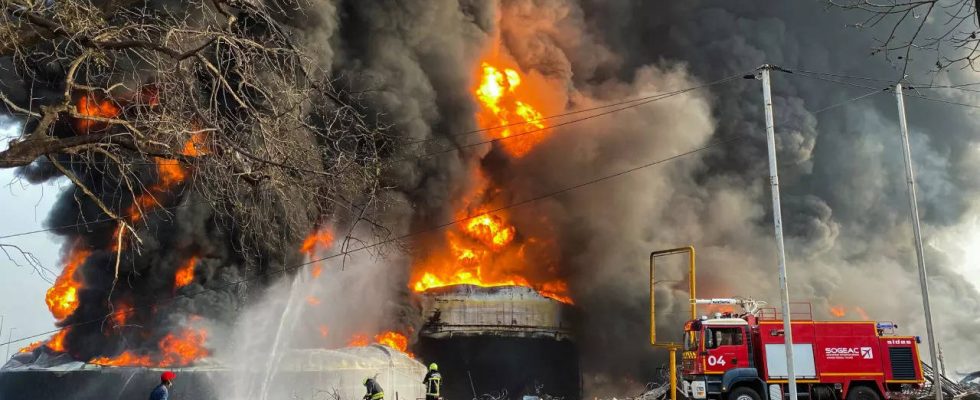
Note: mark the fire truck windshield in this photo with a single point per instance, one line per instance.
(715, 337)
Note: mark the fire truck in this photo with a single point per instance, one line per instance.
(742, 356)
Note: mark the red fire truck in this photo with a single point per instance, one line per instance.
(742, 357)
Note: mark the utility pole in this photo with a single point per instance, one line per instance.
(2, 317)
(10, 334)
(942, 362)
(777, 216)
(937, 382)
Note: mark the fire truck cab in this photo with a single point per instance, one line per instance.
(742, 357)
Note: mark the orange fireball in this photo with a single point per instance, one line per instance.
(491, 230)
(185, 274)
(506, 112)
(62, 298)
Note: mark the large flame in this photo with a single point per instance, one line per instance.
(170, 173)
(486, 250)
(506, 105)
(29, 348)
(174, 351)
(89, 107)
(318, 240)
(393, 339)
(62, 298)
(491, 230)
(185, 274)
(57, 342)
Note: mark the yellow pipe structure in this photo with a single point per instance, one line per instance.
(671, 347)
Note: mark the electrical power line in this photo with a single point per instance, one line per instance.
(628, 104)
(891, 89)
(402, 237)
(632, 103)
(891, 82)
(851, 100)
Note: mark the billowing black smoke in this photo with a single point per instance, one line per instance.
(844, 197)
(158, 251)
(843, 193)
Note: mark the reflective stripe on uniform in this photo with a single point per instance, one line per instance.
(432, 389)
(378, 396)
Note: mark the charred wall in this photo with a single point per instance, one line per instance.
(496, 363)
(509, 338)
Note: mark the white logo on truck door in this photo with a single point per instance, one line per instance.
(712, 360)
(866, 353)
(848, 353)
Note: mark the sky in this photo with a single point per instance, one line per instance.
(23, 207)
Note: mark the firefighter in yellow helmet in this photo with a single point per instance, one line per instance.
(433, 383)
(374, 390)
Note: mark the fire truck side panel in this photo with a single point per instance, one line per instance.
(771, 332)
(848, 350)
(900, 360)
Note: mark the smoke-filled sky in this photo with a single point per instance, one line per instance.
(844, 201)
(24, 208)
(845, 209)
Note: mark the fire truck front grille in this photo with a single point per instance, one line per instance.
(903, 366)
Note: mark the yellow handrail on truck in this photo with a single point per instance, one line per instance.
(671, 347)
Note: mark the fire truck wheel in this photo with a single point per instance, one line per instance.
(862, 393)
(744, 393)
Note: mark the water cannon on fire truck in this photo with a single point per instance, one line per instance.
(749, 306)
(742, 355)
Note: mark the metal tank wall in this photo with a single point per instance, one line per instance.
(487, 340)
(303, 374)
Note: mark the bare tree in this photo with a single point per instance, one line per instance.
(943, 32)
(132, 100)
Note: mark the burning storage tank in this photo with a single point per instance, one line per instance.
(489, 339)
(300, 374)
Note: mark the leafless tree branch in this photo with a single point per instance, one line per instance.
(222, 97)
(943, 33)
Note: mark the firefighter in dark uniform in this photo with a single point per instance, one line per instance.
(374, 390)
(433, 383)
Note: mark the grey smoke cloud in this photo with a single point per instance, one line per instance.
(844, 205)
(847, 228)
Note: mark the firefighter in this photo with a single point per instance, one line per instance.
(433, 383)
(162, 391)
(374, 390)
